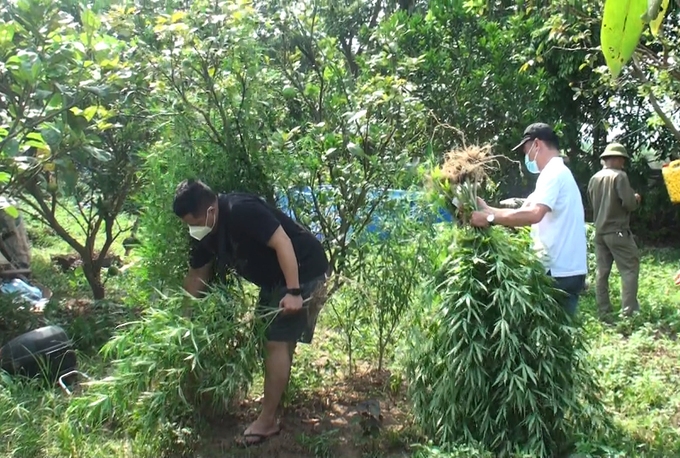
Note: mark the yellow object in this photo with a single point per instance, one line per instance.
(671, 175)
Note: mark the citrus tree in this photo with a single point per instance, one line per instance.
(74, 121)
(356, 124)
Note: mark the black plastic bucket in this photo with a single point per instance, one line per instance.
(46, 352)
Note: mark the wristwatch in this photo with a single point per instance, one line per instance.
(490, 219)
(294, 291)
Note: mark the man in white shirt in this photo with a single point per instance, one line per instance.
(554, 211)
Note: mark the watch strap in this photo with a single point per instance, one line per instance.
(294, 291)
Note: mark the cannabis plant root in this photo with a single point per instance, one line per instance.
(464, 170)
(494, 362)
(469, 163)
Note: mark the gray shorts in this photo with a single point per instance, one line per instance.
(296, 327)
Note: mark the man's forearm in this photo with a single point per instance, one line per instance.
(514, 217)
(289, 265)
(196, 279)
(194, 286)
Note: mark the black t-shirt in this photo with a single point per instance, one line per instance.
(245, 225)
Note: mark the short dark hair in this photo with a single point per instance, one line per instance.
(553, 142)
(192, 197)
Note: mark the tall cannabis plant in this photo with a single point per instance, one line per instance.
(168, 372)
(494, 360)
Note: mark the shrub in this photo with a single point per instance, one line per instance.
(16, 317)
(392, 272)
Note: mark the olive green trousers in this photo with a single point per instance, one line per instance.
(619, 248)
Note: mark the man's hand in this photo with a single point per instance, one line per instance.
(196, 280)
(637, 197)
(677, 278)
(291, 304)
(478, 219)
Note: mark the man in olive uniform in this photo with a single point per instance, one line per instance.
(613, 200)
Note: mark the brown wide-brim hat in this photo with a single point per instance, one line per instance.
(614, 150)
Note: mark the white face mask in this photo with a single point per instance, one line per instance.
(199, 232)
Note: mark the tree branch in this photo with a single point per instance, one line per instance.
(27, 128)
(639, 74)
(290, 75)
(210, 131)
(657, 61)
(57, 202)
(43, 210)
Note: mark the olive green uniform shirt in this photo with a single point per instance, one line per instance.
(613, 199)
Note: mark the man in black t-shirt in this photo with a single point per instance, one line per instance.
(242, 233)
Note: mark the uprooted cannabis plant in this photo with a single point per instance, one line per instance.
(178, 365)
(494, 360)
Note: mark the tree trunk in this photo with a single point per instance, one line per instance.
(599, 136)
(93, 275)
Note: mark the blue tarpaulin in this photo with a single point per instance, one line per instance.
(396, 201)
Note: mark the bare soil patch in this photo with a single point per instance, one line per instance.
(337, 420)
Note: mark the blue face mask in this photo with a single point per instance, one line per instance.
(532, 166)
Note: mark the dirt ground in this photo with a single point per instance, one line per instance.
(351, 419)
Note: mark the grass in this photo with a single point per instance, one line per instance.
(46, 242)
(638, 359)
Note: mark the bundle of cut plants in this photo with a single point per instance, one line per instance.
(172, 370)
(494, 361)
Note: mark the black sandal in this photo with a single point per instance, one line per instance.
(259, 439)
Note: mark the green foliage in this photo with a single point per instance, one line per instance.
(218, 111)
(15, 410)
(33, 422)
(638, 362)
(622, 25)
(495, 359)
(655, 14)
(460, 51)
(214, 92)
(263, 96)
(89, 325)
(362, 128)
(178, 362)
(16, 317)
(75, 123)
(423, 451)
(391, 264)
(394, 269)
(596, 108)
(639, 387)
